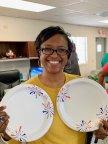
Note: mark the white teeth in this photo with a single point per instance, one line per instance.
(54, 62)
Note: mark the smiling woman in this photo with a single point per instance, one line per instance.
(54, 49)
(54, 55)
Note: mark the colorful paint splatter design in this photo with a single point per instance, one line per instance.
(35, 91)
(63, 94)
(84, 125)
(47, 106)
(18, 134)
(87, 125)
(103, 113)
(48, 109)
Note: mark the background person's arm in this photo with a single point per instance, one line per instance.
(102, 74)
(101, 78)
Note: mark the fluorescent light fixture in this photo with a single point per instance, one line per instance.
(104, 21)
(24, 5)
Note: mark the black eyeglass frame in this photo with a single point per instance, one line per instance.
(59, 51)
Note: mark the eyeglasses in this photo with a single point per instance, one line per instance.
(50, 51)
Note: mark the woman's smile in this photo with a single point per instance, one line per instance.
(54, 65)
(54, 62)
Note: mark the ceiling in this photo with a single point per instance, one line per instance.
(80, 12)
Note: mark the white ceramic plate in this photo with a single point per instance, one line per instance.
(82, 103)
(30, 110)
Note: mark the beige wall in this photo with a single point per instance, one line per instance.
(16, 29)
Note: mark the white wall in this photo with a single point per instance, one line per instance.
(17, 29)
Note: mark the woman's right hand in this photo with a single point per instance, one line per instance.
(4, 119)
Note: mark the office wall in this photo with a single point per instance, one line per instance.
(17, 29)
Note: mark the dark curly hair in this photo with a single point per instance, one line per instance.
(47, 33)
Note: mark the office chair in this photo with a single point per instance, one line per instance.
(8, 79)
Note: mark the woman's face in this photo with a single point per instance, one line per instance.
(54, 62)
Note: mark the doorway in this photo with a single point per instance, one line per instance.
(100, 50)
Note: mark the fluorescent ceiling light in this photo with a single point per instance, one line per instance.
(24, 5)
(104, 21)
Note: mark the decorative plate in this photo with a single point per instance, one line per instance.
(30, 110)
(82, 103)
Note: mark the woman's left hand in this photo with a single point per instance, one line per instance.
(102, 132)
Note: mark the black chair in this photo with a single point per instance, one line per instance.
(8, 79)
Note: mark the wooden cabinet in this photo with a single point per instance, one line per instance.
(32, 54)
(21, 49)
(31, 49)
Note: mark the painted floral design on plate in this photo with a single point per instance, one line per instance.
(48, 109)
(18, 134)
(84, 125)
(47, 106)
(63, 94)
(36, 91)
(87, 125)
(103, 112)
